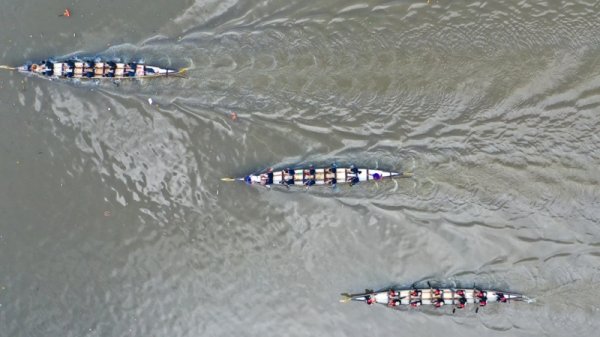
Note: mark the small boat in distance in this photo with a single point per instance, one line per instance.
(95, 70)
(318, 176)
(437, 297)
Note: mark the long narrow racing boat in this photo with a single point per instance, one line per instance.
(458, 298)
(94, 70)
(318, 176)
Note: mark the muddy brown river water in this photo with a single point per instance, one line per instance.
(114, 221)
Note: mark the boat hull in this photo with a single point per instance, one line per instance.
(404, 297)
(95, 70)
(322, 177)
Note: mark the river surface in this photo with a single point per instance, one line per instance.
(114, 221)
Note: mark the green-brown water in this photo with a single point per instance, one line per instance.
(113, 220)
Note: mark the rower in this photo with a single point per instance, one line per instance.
(353, 178)
(288, 177)
(415, 293)
(68, 68)
(437, 300)
(416, 303)
(392, 293)
(109, 70)
(88, 70)
(270, 176)
(43, 68)
(332, 180)
(500, 297)
(482, 296)
(371, 300)
(309, 176)
(393, 302)
(461, 302)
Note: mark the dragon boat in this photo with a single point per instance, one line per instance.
(94, 70)
(318, 176)
(436, 297)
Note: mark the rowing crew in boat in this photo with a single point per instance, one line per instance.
(436, 298)
(309, 176)
(313, 176)
(74, 68)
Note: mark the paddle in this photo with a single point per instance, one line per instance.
(181, 73)
(228, 179)
(346, 297)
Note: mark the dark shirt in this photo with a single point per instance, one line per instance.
(291, 174)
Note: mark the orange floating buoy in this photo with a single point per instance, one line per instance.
(67, 12)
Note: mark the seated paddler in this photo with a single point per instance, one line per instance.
(288, 176)
(310, 176)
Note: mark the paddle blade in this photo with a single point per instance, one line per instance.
(345, 298)
(181, 73)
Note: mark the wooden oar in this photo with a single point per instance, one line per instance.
(346, 298)
(181, 73)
